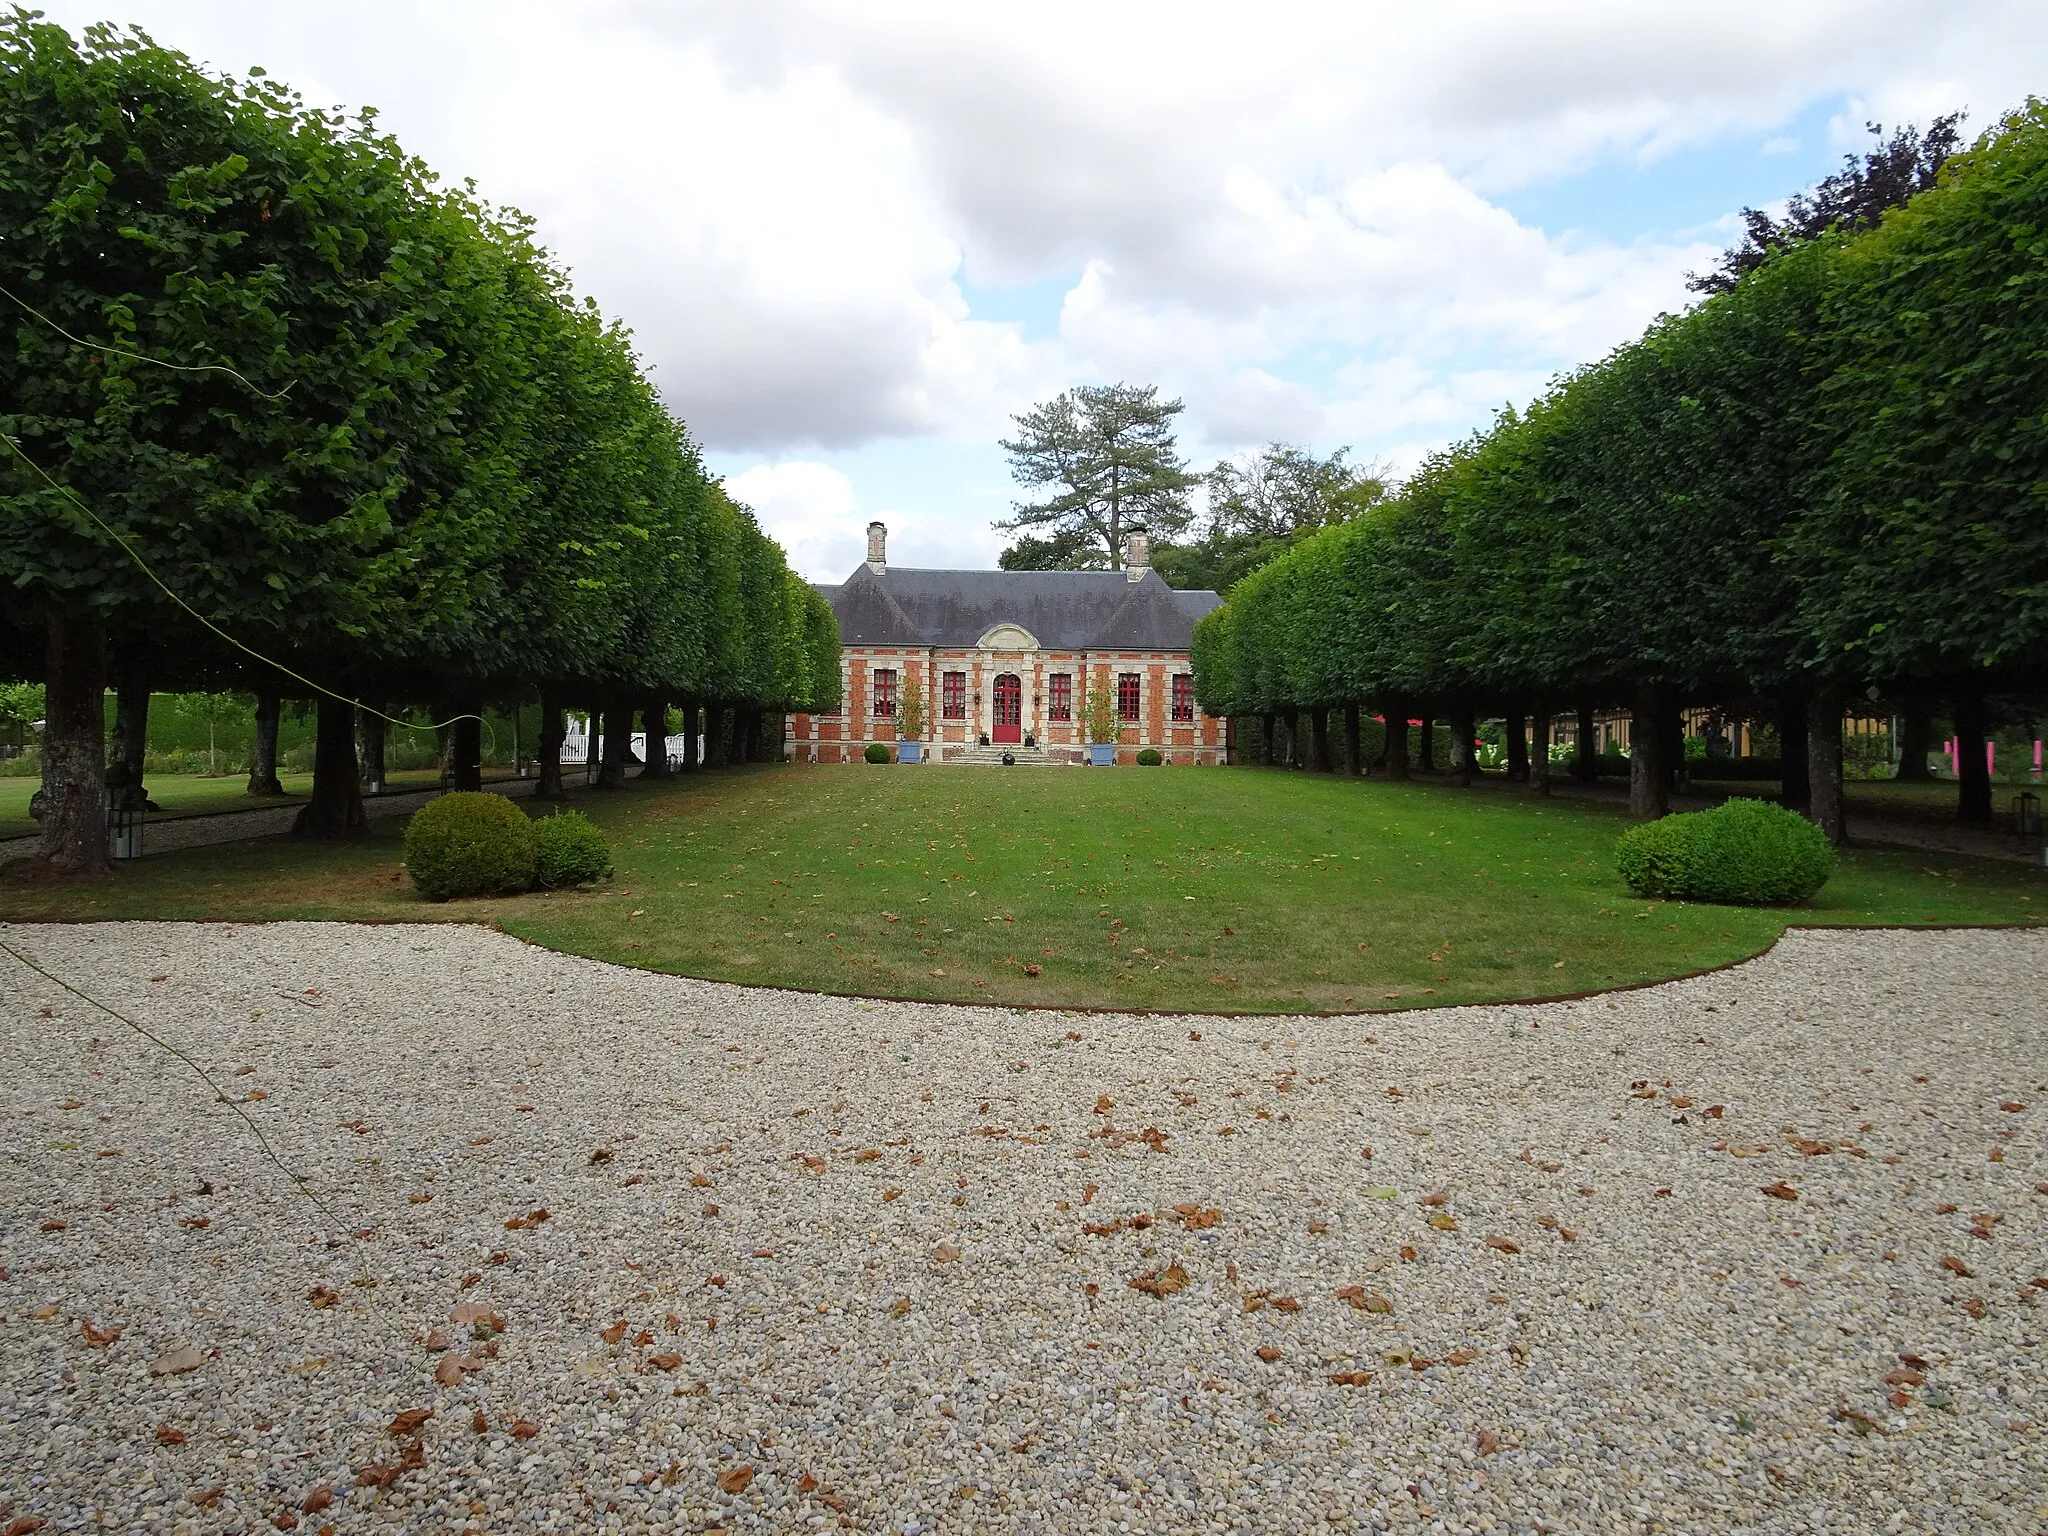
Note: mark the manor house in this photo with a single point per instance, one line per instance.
(1007, 659)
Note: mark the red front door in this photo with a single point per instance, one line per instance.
(1009, 709)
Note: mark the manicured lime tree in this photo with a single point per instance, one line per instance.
(275, 397)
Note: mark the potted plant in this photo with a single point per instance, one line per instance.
(910, 721)
(1099, 712)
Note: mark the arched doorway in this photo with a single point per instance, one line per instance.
(1009, 721)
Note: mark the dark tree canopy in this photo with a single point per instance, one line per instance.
(1854, 198)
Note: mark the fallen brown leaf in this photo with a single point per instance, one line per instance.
(168, 1435)
(1350, 1378)
(1489, 1442)
(1779, 1190)
(1503, 1245)
(409, 1420)
(524, 1429)
(1956, 1266)
(1161, 1282)
(736, 1480)
(319, 1498)
(1268, 1353)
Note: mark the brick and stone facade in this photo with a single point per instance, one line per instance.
(1008, 658)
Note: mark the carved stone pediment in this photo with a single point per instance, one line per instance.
(1008, 637)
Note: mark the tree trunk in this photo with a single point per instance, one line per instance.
(370, 726)
(1319, 740)
(1463, 728)
(1586, 761)
(618, 746)
(1649, 775)
(263, 752)
(1795, 793)
(1425, 757)
(335, 813)
(1973, 774)
(74, 794)
(1396, 714)
(1266, 742)
(1824, 761)
(1916, 740)
(551, 734)
(654, 718)
(1674, 746)
(1354, 758)
(130, 741)
(593, 728)
(466, 747)
(714, 736)
(1517, 728)
(692, 714)
(1539, 749)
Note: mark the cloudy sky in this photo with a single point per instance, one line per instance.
(854, 236)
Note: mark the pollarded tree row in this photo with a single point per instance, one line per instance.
(395, 455)
(1826, 485)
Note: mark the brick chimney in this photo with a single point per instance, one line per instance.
(1137, 554)
(878, 546)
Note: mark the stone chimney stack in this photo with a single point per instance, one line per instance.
(1137, 554)
(878, 547)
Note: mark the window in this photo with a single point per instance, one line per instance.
(1060, 704)
(953, 695)
(1127, 696)
(1183, 696)
(885, 692)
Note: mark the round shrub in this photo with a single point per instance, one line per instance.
(880, 752)
(469, 844)
(1652, 857)
(569, 849)
(1148, 757)
(1745, 853)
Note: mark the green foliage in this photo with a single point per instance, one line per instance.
(444, 473)
(469, 845)
(1148, 757)
(1098, 714)
(910, 707)
(879, 752)
(1105, 455)
(1832, 473)
(21, 703)
(1742, 853)
(569, 849)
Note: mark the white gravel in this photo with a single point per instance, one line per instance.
(1700, 1357)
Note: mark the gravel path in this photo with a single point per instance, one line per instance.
(687, 1256)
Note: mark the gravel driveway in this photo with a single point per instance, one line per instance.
(1765, 1249)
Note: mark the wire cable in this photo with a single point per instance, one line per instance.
(206, 1077)
(129, 549)
(96, 346)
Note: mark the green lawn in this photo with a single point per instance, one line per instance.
(1175, 888)
(184, 794)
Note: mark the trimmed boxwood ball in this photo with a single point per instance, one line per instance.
(1148, 757)
(880, 752)
(569, 849)
(1746, 853)
(469, 844)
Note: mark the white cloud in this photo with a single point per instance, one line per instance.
(1285, 213)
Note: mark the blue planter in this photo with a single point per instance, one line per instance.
(1101, 754)
(909, 751)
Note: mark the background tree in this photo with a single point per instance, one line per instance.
(1259, 506)
(1105, 455)
(1854, 198)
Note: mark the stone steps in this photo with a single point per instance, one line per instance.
(992, 757)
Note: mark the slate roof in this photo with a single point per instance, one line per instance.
(1066, 610)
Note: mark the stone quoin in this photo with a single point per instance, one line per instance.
(1008, 658)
